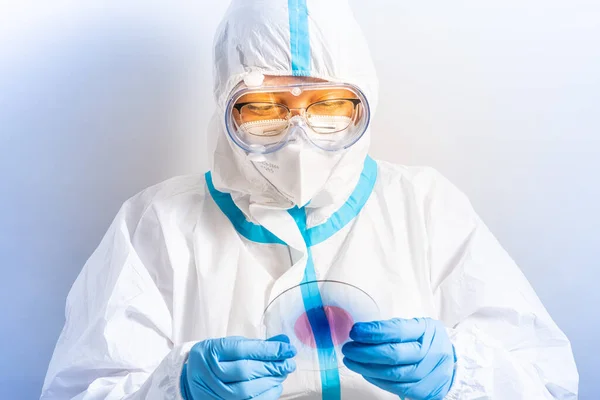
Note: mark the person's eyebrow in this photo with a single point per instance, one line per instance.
(334, 94)
(258, 97)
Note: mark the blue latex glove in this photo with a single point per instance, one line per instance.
(412, 358)
(236, 368)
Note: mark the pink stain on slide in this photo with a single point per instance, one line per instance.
(340, 323)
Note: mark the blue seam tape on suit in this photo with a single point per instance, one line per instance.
(299, 38)
(351, 208)
(313, 303)
(249, 230)
(316, 234)
(317, 318)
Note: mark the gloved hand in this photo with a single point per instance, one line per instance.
(235, 368)
(412, 358)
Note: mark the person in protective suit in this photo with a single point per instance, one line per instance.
(171, 303)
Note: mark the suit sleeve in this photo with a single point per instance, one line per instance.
(116, 342)
(507, 345)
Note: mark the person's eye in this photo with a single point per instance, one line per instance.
(333, 103)
(261, 107)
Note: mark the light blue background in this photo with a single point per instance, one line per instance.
(97, 103)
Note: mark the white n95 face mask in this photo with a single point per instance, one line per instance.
(299, 170)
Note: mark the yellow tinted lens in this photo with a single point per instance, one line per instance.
(262, 119)
(330, 116)
(332, 107)
(262, 111)
(269, 127)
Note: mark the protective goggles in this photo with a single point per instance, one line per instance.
(331, 116)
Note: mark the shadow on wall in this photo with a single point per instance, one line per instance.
(90, 113)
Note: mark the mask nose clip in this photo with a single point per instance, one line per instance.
(297, 120)
(297, 123)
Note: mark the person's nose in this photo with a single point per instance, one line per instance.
(296, 112)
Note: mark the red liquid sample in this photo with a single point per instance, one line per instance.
(340, 323)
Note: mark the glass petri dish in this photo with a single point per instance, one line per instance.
(317, 316)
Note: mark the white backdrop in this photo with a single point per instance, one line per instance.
(99, 101)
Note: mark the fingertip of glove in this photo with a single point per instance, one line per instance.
(362, 329)
(279, 338)
(290, 366)
(286, 350)
(348, 363)
(347, 347)
(289, 351)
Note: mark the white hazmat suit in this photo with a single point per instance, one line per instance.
(200, 257)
